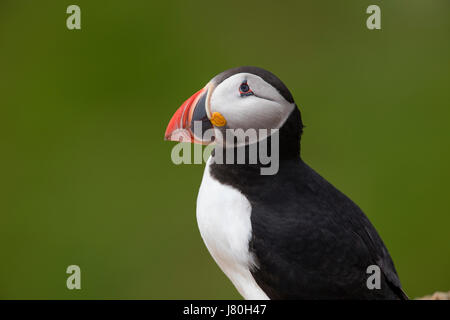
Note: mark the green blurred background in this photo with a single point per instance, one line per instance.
(87, 179)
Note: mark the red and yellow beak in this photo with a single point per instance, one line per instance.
(181, 126)
(192, 120)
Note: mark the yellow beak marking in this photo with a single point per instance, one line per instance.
(218, 120)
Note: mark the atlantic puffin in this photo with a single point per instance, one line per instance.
(288, 235)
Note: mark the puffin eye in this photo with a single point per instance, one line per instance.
(245, 90)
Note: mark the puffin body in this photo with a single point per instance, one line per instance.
(288, 235)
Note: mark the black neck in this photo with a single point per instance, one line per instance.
(289, 149)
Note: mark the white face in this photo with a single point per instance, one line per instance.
(262, 108)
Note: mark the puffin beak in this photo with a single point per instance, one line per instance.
(181, 126)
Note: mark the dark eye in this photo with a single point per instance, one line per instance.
(245, 90)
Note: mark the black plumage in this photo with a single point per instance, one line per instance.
(310, 241)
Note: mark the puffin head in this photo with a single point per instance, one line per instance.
(239, 98)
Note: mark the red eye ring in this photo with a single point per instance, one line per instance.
(245, 90)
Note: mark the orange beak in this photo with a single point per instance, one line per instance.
(180, 127)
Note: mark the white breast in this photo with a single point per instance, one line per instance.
(223, 216)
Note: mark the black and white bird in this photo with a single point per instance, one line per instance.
(290, 235)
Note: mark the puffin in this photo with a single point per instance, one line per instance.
(289, 234)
